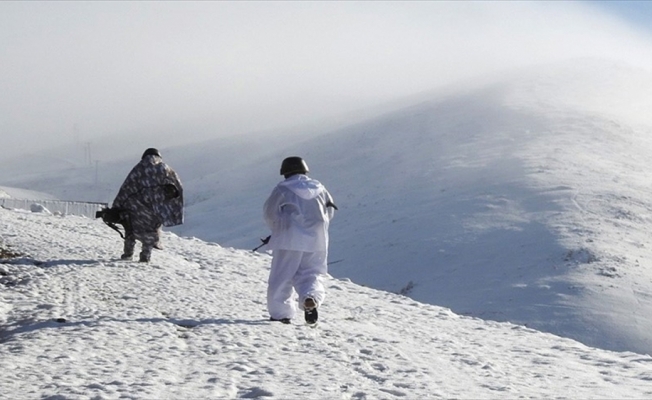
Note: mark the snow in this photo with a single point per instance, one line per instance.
(16, 193)
(77, 323)
(523, 199)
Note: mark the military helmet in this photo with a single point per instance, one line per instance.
(294, 165)
(151, 152)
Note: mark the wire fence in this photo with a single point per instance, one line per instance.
(81, 208)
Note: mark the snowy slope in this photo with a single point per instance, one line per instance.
(9, 192)
(75, 323)
(525, 199)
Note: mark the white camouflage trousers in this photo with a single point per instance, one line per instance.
(294, 271)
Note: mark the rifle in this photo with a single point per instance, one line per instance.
(113, 217)
(265, 241)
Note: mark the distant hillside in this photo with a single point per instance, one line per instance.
(10, 192)
(525, 198)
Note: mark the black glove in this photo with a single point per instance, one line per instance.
(170, 191)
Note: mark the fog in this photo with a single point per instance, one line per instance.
(186, 71)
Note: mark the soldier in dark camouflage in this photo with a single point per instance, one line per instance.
(150, 197)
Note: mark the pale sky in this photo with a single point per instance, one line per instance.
(636, 13)
(80, 70)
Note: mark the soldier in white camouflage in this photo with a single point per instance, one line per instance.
(150, 197)
(298, 212)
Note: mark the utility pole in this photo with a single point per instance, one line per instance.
(87, 153)
(97, 180)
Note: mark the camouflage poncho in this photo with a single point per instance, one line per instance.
(153, 195)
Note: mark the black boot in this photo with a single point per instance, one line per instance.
(310, 311)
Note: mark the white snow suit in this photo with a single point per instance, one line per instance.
(298, 212)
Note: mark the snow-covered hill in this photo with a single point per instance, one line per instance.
(9, 192)
(522, 199)
(75, 323)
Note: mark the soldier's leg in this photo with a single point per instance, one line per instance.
(129, 246)
(130, 237)
(149, 241)
(146, 252)
(279, 286)
(308, 279)
(307, 282)
(158, 245)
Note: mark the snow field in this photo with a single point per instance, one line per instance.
(193, 324)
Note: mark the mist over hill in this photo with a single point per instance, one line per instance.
(524, 198)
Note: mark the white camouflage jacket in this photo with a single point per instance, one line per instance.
(298, 214)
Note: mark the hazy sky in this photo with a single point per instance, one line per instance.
(636, 13)
(82, 69)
